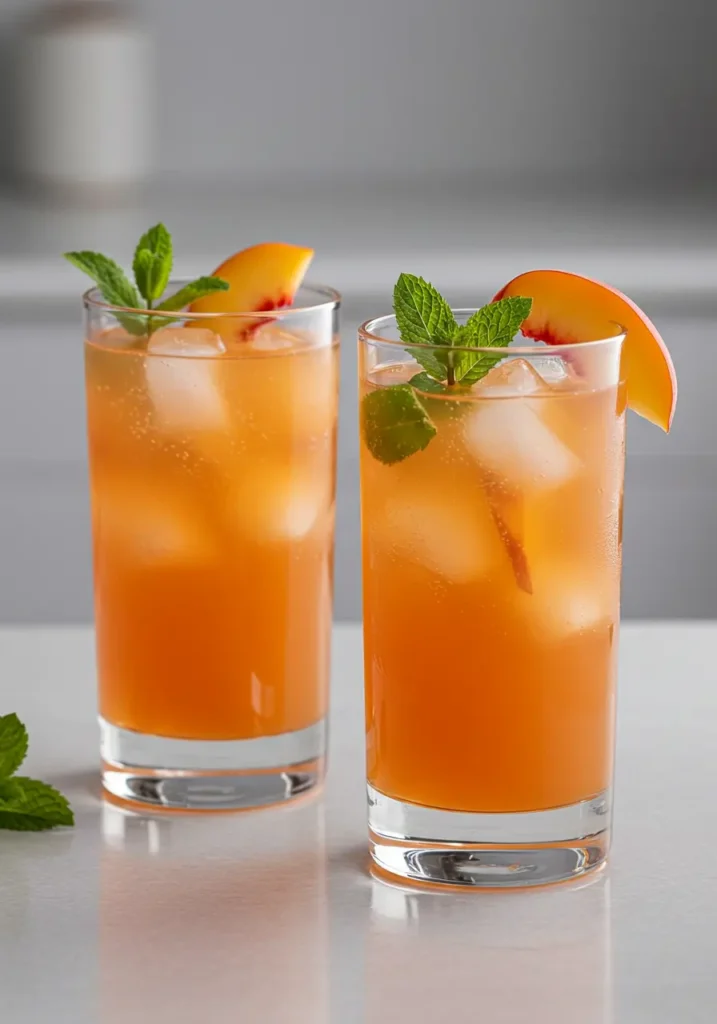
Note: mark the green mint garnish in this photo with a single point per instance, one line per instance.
(191, 292)
(395, 424)
(493, 326)
(424, 317)
(152, 262)
(429, 385)
(400, 427)
(395, 421)
(152, 267)
(26, 805)
(113, 284)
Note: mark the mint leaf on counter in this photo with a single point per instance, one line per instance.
(27, 805)
(13, 744)
(395, 424)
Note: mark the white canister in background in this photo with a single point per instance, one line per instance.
(85, 97)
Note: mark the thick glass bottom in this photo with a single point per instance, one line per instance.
(457, 848)
(210, 775)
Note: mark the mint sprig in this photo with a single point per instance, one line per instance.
(26, 805)
(402, 427)
(395, 421)
(152, 268)
(423, 317)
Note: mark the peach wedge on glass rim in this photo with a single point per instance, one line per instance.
(262, 277)
(569, 308)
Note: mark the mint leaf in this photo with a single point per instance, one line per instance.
(422, 382)
(191, 292)
(27, 805)
(152, 263)
(395, 424)
(498, 322)
(114, 286)
(492, 326)
(13, 744)
(423, 317)
(422, 314)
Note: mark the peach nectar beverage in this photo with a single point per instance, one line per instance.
(212, 449)
(492, 479)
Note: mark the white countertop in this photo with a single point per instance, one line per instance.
(272, 917)
(464, 237)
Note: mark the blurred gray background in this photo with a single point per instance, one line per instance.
(466, 140)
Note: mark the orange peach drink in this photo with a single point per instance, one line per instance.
(492, 565)
(212, 453)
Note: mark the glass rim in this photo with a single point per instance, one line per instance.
(92, 299)
(369, 331)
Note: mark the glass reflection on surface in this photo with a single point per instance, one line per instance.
(194, 933)
(539, 957)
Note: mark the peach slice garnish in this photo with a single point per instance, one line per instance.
(262, 277)
(569, 308)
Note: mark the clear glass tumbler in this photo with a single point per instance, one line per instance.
(212, 447)
(491, 574)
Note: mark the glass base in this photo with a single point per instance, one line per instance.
(159, 773)
(457, 848)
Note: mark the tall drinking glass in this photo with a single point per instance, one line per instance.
(212, 467)
(491, 563)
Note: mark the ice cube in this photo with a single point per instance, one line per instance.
(553, 370)
(506, 434)
(566, 601)
(190, 342)
(450, 535)
(511, 378)
(276, 502)
(272, 340)
(146, 524)
(184, 386)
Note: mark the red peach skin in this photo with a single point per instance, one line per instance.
(262, 277)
